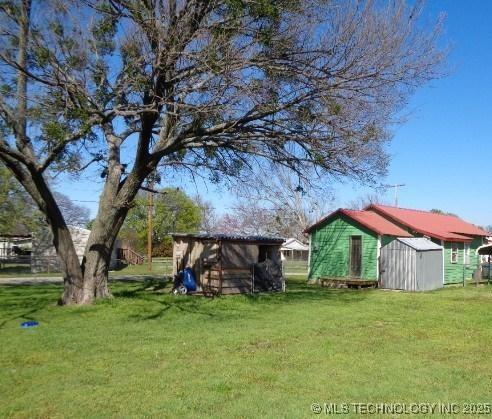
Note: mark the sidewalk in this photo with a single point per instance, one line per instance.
(37, 280)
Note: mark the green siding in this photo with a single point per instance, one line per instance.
(453, 272)
(330, 245)
(386, 240)
(330, 252)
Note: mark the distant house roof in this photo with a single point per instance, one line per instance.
(419, 243)
(368, 219)
(231, 237)
(440, 226)
(294, 244)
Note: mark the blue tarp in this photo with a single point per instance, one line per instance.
(189, 280)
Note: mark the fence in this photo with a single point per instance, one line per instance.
(160, 265)
(487, 271)
(295, 267)
(24, 265)
(163, 263)
(21, 265)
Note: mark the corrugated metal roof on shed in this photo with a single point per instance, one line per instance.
(419, 243)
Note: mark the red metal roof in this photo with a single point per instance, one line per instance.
(440, 226)
(369, 219)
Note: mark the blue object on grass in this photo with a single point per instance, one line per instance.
(31, 323)
(189, 279)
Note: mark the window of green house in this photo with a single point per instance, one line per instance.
(466, 254)
(454, 252)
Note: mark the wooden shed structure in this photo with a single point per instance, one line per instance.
(230, 264)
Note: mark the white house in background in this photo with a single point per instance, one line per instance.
(44, 258)
(13, 245)
(294, 249)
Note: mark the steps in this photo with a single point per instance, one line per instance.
(129, 256)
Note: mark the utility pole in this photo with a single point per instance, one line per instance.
(395, 187)
(150, 214)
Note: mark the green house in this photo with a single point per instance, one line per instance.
(347, 243)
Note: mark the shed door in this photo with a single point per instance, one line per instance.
(355, 262)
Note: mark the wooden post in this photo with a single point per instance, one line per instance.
(149, 225)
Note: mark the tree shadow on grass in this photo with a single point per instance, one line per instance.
(140, 286)
(186, 305)
(301, 292)
(22, 302)
(153, 299)
(156, 292)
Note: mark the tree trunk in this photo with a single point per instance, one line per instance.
(96, 267)
(97, 257)
(73, 292)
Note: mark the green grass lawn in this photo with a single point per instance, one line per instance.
(147, 353)
(295, 267)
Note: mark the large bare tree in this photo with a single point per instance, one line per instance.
(249, 218)
(145, 85)
(292, 201)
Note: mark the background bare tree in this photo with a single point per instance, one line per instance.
(249, 218)
(364, 201)
(439, 211)
(292, 202)
(73, 213)
(209, 219)
(197, 85)
(20, 215)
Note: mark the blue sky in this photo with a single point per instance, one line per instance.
(442, 152)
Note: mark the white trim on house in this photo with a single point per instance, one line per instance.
(309, 256)
(457, 253)
(378, 256)
(466, 251)
(443, 261)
